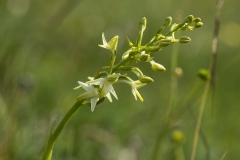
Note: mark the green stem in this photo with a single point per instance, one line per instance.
(53, 136)
(178, 151)
(112, 60)
(199, 119)
(212, 71)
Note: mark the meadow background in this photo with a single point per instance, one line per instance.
(47, 46)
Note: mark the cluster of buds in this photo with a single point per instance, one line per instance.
(101, 85)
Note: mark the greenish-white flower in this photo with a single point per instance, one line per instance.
(92, 93)
(135, 85)
(106, 86)
(111, 45)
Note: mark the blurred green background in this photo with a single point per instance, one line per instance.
(47, 46)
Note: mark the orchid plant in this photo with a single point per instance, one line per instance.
(101, 85)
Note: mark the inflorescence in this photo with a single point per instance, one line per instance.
(101, 85)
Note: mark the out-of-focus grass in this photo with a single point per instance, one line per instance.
(46, 47)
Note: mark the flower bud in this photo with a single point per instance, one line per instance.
(164, 44)
(144, 57)
(167, 22)
(204, 74)
(152, 48)
(145, 79)
(177, 26)
(189, 19)
(198, 24)
(197, 19)
(166, 40)
(178, 72)
(177, 136)
(184, 39)
(157, 66)
(142, 24)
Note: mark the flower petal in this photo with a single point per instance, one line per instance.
(108, 95)
(94, 101)
(87, 87)
(134, 94)
(138, 84)
(112, 44)
(104, 40)
(99, 81)
(87, 95)
(111, 90)
(103, 46)
(138, 94)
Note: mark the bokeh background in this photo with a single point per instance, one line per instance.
(47, 46)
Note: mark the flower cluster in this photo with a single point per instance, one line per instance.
(101, 85)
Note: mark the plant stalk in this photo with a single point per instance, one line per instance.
(54, 135)
(212, 72)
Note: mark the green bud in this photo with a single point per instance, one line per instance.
(167, 22)
(145, 79)
(184, 39)
(178, 72)
(197, 19)
(144, 57)
(198, 24)
(177, 136)
(157, 66)
(204, 74)
(126, 68)
(166, 40)
(189, 19)
(176, 26)
(152, 48)
(142, 24)
(164, 44)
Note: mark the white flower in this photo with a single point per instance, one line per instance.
(92, 93)
(111, 45)
(106, 86)
(135, 85)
